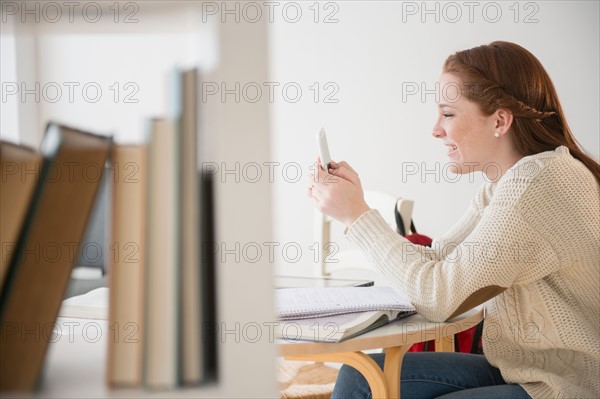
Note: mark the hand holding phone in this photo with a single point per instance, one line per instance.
(323, 150)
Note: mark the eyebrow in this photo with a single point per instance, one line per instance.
(445, 105)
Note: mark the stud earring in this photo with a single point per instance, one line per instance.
(497, 135)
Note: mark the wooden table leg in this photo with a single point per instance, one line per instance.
(445, 344)
(361, 362)
(393, 367)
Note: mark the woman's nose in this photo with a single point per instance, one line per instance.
(437, 132)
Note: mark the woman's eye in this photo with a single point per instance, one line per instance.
(447, 115)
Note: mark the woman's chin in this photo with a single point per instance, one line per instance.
(458, 168)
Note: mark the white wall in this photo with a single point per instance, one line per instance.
(106, 77)
(9, 125)
(18, 53)
(375, 48)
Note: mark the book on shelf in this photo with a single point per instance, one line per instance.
(337, 313)
(170, 214)
(161, 315)
(127, 265)
(39, 271)
(196, 329)
(184, 110)
(19, 170)
(208, 265)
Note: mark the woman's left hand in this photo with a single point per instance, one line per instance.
(338, 194)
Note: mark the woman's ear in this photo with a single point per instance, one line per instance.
(504, 119)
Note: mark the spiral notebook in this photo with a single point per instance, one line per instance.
(301, 303)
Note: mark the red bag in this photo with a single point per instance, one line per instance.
(468, 341)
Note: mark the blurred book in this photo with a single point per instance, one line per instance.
(167, 299)
(19, 171)
(183, 86)
(53, 229)
(208, 263)
(161, 316)
(127, 265)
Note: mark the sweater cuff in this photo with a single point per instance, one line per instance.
(368, 229)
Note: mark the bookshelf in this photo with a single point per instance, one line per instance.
(132, 59)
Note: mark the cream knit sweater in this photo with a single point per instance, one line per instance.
(529, 248)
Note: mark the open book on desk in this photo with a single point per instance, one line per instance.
(336, 328)
(338, 313)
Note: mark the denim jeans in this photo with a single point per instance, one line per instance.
(435, 375)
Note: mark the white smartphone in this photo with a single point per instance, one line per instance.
(323, 150)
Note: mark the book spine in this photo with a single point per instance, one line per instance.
(162, 299)
(127, 266)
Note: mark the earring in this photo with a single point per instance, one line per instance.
(497, 135)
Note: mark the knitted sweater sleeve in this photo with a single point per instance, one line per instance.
(495, 248)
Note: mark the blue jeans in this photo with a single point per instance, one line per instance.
(435, 375)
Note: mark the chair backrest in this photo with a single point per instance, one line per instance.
(350, 261)
(405, 209)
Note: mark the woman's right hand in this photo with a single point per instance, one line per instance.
(339, 193)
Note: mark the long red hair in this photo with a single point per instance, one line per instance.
(505, 75)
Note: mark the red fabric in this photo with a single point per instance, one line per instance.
(419, 239)
(465, 338)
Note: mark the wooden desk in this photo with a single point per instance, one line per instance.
(396, 338)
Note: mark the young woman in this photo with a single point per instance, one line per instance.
(528, 247)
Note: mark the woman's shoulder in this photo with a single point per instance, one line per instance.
(546, 176)
(532, 167)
